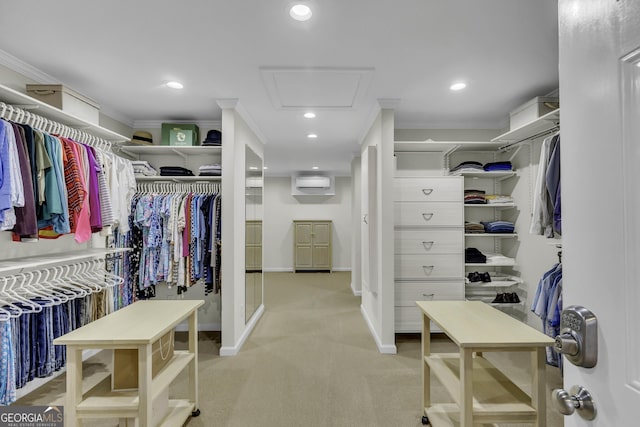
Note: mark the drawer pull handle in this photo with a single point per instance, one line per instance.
(427, 216)
(427, 191)
(428, 296)
(428, 245)
(428, 269)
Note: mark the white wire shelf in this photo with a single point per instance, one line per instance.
(18, 265)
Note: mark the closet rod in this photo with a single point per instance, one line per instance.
(173, 187)
(19, 115)
(530, 138)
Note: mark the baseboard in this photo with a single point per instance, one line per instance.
(232, 351)
(384, 349)
(341, 269)
(356, 292)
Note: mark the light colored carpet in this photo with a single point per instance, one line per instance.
(310, 361)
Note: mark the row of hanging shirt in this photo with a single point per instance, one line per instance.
(52, 185)
(547, 212)
(175, 239)
(547, 305)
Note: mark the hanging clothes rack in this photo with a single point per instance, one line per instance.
(20, 115)
(171, 187)
(542, 134)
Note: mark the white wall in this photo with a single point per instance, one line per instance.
(236, 135)
(356, 231)
(378, 294)
(281, 208)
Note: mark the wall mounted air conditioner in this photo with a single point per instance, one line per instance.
(313, 182)
(313, 185)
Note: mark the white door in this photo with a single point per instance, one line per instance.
(600, 137)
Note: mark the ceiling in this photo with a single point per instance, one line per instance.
(349, 55)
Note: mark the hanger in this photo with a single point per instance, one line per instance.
(9, 297)
(63, 276)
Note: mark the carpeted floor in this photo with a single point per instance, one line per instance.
(310, 361)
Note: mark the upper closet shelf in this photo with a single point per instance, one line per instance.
(137, 150)
(21, 100)
(159, 178)
(500, 175)
(18, 265)
(444, 146)
(531, 130)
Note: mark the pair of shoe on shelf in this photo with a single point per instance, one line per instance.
(479, 277)
(507, 297)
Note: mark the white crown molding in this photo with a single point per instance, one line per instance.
(389, 103)
(27, 70)
(226, 103)
(154, 124)
(234, 103)
(117, 116)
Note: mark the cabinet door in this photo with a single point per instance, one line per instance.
(322, 257)
(303, 256)
(253, 257)
(253, 233)
(322, 233)
(303, 233)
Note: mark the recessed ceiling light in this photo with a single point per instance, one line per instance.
(638, 64)
(253, 168)
(309, 115)
(175, 85)
(300, 12)
(265, 168)
(458, 86)
(315, 168)
(312, 136)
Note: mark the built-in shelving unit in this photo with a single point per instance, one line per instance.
(164, 155)
(26, 102)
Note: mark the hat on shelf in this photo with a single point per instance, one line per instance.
(142, 138)
(214, 137)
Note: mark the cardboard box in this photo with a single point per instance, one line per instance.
(532, 110)
(180, 134)
(125, 362)
(67, 100)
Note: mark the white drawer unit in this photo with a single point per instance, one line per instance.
(421, 267)
(432, 189)
(420, 214)
(431, 241)
(407, 293)
(428, 245)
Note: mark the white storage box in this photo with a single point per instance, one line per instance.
(67, 100)
(532, 110)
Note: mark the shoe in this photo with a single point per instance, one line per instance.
(474, 277)
(514, 298)
(499, 299)
(485, 277)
